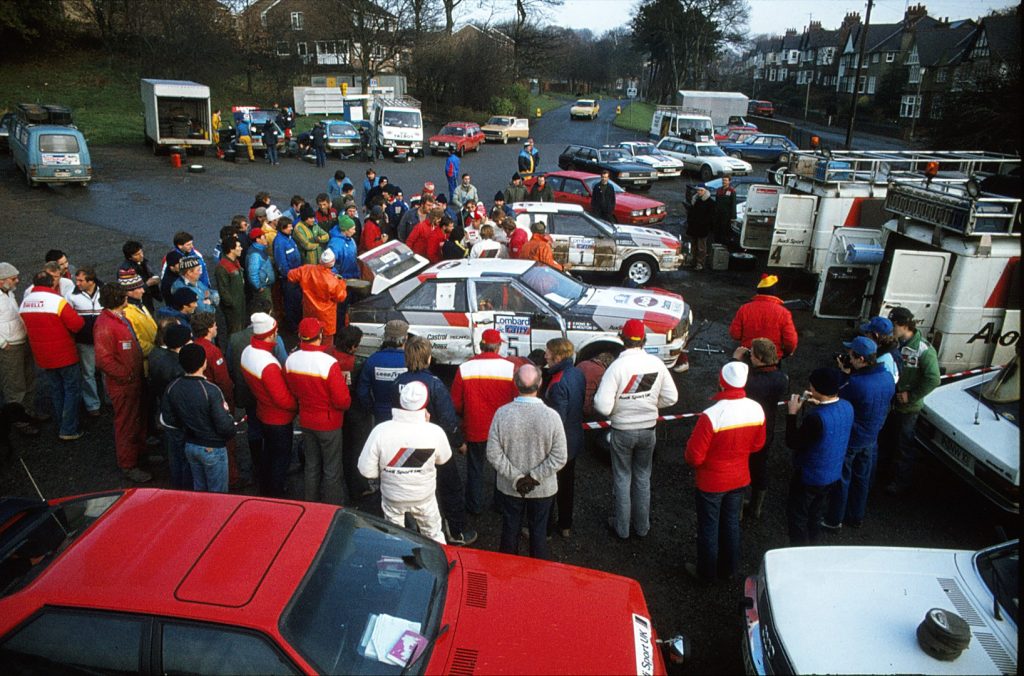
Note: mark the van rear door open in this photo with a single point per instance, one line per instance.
(794, 224)
(915, 281)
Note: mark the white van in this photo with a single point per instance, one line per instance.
(688, 123)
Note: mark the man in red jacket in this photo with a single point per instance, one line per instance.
(436, 239)
(319, 386)
(419, 238)
(764, 316)
(718, 449)
(51, 323)
(482, 385)
(275, 405)
(119, 358)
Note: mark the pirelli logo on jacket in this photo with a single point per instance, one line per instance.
(411, 458)
(640, 383)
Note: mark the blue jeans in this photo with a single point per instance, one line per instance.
(632, 455)
(66, 395)
(209, 467)
(903, 448)
(804, 509)
(476, 466)
(272, 153)
(88, 378)
(321, 156)
(848, 498)
(537, 512)
(718, 533)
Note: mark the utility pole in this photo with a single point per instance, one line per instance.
(856, 75)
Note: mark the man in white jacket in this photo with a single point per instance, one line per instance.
(632, 390)
(17, 370)
(404, 453)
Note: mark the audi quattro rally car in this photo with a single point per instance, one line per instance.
(453, 302)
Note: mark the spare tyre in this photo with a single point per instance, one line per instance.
(943, 634)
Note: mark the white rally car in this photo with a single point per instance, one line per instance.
(453, 302)
(705, 159)
(647, 153)
(589, 244)
(862, 610)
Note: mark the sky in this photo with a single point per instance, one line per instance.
(774, 16)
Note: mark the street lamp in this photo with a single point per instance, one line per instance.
(918, 102)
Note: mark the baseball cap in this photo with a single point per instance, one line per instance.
(327, 257)
(901, 316)
(826, 381)
(879, 325)
(491, 337)
(7, 270)
(396, 329)
(273, 213)
(634, 330)
(260, 212)
(767, 281)
(862, 346)
(255, 234)
(414, 396)
(310, 328)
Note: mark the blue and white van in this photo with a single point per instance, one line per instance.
(50, 153)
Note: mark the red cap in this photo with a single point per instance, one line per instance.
(255, 234)
(310, 328)
(491, 337)
(634, 330)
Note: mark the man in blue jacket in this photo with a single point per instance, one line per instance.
(286, 258)
(452, 166)
(259, 271)
(565, 393)
(346, 266)
(376, 385)
(869, 388)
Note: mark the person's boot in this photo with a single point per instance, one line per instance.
(758, 503)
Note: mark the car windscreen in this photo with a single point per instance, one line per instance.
(558, 289)
(35, 535)
(591, 182)
(260, 117)
(613, 155)
(585, 103)
(695, 124)
(999, 567)
(453, 131)
(58, 143)
(402, 118)
(341, 129)
(500, 121)
(710, 151)
(369, 584)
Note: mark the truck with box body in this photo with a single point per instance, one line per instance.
(397, 126)
(47, 146)
(177, 113)
(724, 108)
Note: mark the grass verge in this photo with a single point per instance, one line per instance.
(547, 102)
(636, 116)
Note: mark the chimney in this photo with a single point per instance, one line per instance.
(790, 32)
(815, 26)
(850, 19)
(914, 13)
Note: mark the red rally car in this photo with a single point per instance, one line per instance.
(157, 581)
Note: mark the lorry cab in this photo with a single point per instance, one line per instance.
(48, 148)
(398, 126)
(687, 123)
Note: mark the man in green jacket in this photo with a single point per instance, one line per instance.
(230, 280)
(919, 375)
(309, 236)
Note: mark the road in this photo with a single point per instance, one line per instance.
(139, 196)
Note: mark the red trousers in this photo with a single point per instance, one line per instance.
(129, 422)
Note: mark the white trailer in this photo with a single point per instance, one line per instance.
(177, 113)
(721, 107)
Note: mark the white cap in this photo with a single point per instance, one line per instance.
(734, 374)
(262, 324)
(327, 257)
(414, 396)
(273, 213)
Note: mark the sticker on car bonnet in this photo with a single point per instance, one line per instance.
(643, 645)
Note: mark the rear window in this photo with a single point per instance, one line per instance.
(58, 143)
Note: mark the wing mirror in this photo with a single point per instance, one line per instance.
(675, 649)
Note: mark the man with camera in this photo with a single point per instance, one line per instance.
(869, 389)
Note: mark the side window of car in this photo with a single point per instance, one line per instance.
(197, 649)
(501, 296)
(576, 225)
(761, 141)
(436, 295)
(573, 187)
(66, 641)
(689, 149)
(555, 182)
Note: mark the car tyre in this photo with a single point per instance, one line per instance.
(460, 151)
(504, 140)
(706, 173)
(738, 156)
(948, 629)
(933, 648)
(783, 159)
(640, 270)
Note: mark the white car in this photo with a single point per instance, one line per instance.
(590, 244)
(705, 159)
(452, 302)
(857, 610)
(647, 153)
(972, 425)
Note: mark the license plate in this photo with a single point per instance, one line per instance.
(61, 173)
(668, 260)
(963, 458)
(640, 182)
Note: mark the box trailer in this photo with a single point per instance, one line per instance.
(177, 113)
(721, 107)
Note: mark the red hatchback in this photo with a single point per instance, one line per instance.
(574, 187)
(458, 136)
(157, 581)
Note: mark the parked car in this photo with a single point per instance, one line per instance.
(723, 133)
(50, 153)
(342, 138)
(156, 581)
(505, 127)
(704, 159)
(575, 187)
(761, 148)
(584, 108)
(972, 425)
(457, 136)
(259, 117)
(760, 107)
(647, 153)
(740, 183)
(862, 610)
(5, 130)
(623, 169)
(737, 135)
(453, 302)
(589, 244)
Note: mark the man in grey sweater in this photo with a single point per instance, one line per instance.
(526, 446)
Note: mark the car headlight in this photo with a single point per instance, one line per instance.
(660, 210)
(625, 174)
(636, 212)
(433, 144)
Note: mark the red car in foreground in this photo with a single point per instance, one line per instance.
(458, 136)
(574, 187)
(158, 581)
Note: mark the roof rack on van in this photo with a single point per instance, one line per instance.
(967, 206)
(880, 166)
(34, 113)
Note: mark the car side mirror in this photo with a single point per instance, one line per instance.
(675, 649)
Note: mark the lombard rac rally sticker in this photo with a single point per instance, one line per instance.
(643, 644)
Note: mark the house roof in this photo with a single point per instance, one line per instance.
(943, 44)
(791, 41)
(485, 31)
(816, 39)
(1003, 34)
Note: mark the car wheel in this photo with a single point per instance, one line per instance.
(738, 156)
(706, 173)
(477, 148)
(504, 140)
(640, 270)
(460, 151)
(783, 159)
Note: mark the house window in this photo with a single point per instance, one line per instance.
(862, 83)
(980, 47)
(783, 72)
(912, 59)
(771, 75)
(871, 84)
(283, 48)
(297, 21)
(910, 106)
(890, 57)
(915, 75)
(936, 112)
(378, 53)
(302, 50)
(876, 57)
(941, 75)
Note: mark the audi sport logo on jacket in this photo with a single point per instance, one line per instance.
(411, 457)
(640, 383)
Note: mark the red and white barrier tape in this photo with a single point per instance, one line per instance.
(606, 424)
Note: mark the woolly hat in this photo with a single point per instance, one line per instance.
(327, 257)
(734, 375)
(192, 357)
(262, 324)
(183, 297)
(177, 335)
(310, 328)
(129, 279)
(499, 196)
(826, 381)
(767, 281)
(633, 330)
(7, 270)
(260, 212)
(414, 396)
(306, 212)
(428, 187)
(188, 262)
